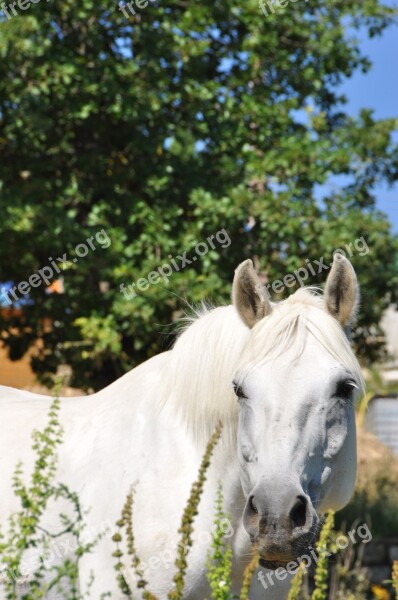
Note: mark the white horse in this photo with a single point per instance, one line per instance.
(281, 378)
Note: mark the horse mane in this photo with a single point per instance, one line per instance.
(215, 342)
(200, 369)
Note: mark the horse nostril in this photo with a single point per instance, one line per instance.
(252, 506)
(298, 514)
(251, 520)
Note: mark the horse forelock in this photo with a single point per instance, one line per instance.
(295, 322)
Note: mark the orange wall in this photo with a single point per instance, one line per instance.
(16, 373)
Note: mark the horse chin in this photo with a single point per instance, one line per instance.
(273, 555)
(274, 558)
(272, 565)
(271, 558)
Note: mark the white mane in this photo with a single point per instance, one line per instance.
(208, 353)
(202, 365)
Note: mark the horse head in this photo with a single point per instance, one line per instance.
(295, 385)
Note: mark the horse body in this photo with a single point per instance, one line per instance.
(286, 455)
(114, 439)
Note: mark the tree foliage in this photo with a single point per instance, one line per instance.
(164, 128)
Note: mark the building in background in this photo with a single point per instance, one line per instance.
(381, 419)
(389, 325)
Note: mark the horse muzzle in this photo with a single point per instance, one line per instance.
(282, 529)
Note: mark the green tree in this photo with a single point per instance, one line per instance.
(164, 128)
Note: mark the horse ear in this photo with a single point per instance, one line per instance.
(248, 295)
(341, 290)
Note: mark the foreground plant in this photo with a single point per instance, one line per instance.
(296, 585)
(395, 578)
(321, 571)
(220, 560)
(186, 530)
(126, 522)
(247, 577)
(25, 531)
(191, 510)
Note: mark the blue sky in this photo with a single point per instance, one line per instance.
(378, 89)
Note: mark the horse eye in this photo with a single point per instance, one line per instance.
(238, 390)
(345, 388)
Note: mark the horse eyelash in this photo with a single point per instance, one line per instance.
(342, 386)
(238, 391)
